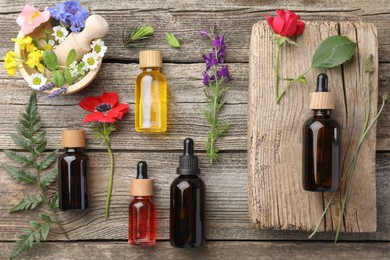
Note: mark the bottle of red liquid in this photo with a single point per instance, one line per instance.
(142, 209)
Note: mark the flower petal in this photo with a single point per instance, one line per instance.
(300, 27)
(278, 23)
(109, 98)
(95, 116)
(118, 111)
(270, 19)
(89, 103)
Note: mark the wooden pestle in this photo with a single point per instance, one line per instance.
(95, 27)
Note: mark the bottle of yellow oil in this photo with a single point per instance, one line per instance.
(150, 94)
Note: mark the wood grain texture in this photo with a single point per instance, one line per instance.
(226, 200)
(186, 18)
(186, 99)
(211, 250)
(276, 198)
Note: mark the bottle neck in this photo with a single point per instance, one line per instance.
(322, 113)
(149, 69)
(142, 197)
(73, 150)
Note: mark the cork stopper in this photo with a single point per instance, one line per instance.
(322, 99)
(141, 186)
(150, 59)
(73, 138)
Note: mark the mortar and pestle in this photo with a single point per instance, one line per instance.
(95, 27)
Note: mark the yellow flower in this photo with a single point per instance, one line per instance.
(34, 59)
(22, 42)
(10, 63)
(31, 47)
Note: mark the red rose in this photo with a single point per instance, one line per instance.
(105, 109)
(286, 23)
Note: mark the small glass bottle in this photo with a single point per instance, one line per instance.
(73, 172)
(187, 201)
(142, 219)
(321, 142)
(150, 94)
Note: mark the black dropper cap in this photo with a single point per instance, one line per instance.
(142, 170)
(322, 83)
(188, 162)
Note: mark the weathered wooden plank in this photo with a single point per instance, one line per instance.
(276, 197)
(211, 250)
(226, 208)
(186, 100)
(185, 19)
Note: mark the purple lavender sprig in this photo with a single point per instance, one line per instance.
(70, 13)
(57, 92)
(215, 77)
(48, 86)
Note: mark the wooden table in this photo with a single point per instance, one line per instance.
(229, 232)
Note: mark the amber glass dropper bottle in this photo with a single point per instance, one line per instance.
(73, 172)
(187, 201)
(150, 94)
(321, 142)
(142, 209)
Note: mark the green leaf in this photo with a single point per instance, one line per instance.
(23, 131)
(50, 60)
(171, 39)
(41, 147)
(54, 201)
(80, 68)
(28, 236)
(71, 57)
(20, 174)
(132, 35)
(48, 178)
(58, 78)
(333, 51)
(68, 77)
(19, 158)
(28, 203)
(31, 108)
(48, 160)
(21, 142)
(39, 138)
(45, 218)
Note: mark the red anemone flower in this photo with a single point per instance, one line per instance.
(105, 108)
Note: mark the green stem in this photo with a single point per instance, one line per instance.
(212, 130)
(278, 47)
(290, 83)
(110, 183)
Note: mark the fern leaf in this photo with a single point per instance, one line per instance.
(21, 142)
(39, 138)
(28, 203)
(23, 131)
(48, 160)
(20, 174)
(26, 239)
(54, 202)
(31, 108)
(41, 147)
(19, 158)
(48, 178)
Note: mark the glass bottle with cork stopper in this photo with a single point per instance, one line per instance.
(321, 142)
(73, 172)
(150, 94)
(142, 210)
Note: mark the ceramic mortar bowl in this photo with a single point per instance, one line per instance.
(27, 71)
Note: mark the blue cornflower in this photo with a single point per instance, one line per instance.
(70, 13)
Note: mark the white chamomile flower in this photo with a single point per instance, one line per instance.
(73, 69)
(91, 61)
(48, 45)
(36, 80)
(60, 33)
(98, 47)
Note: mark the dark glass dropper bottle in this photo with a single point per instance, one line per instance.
(321, 142)
(73, 172)
(142, 209)
(187, 201)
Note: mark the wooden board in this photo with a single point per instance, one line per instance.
(211, 250)
(276, 197)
